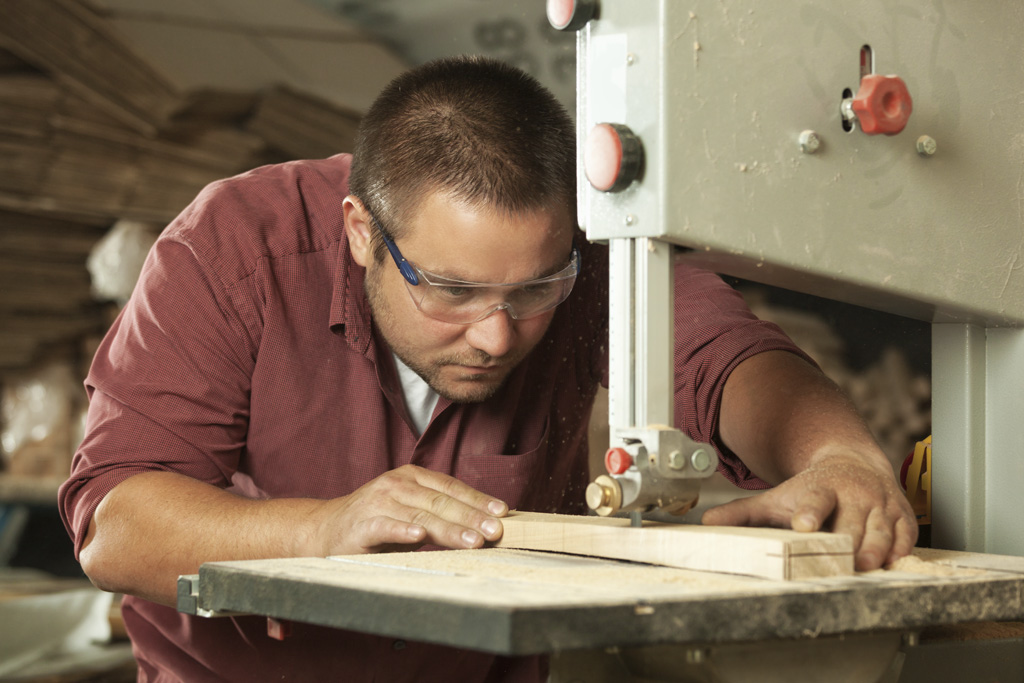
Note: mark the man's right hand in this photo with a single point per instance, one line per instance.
(403, 509)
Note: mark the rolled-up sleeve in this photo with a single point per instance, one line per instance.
(715, 332)
(168, 387)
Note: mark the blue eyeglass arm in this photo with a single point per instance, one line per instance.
(404, 267)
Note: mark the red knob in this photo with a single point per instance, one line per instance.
(613, 157)
(882, 104)
(617, 460)
(571, 15)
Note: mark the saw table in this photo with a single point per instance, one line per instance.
(517, 602)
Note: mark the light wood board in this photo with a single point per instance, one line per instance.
(767, 553)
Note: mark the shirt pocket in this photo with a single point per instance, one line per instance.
(506, 477)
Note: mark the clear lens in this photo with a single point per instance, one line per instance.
(467, 302)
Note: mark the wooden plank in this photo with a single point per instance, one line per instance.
(768, 553)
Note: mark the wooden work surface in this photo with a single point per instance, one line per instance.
(523, 602)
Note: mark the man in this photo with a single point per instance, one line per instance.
(387, 351)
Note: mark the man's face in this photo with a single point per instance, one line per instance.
(465, 363)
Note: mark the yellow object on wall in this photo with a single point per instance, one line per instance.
(918, 481)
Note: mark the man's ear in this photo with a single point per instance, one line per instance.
(358, 229)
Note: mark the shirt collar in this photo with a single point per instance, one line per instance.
(350, 311)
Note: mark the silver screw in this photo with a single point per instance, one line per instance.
(809, 142)
(700, 460)
(926, 146)
(630, 219)
(630, 59)
(676, 461)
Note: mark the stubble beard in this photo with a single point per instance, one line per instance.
(471, 388)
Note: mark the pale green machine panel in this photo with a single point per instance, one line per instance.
(719, 93)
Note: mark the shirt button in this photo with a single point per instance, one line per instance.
(398, 645)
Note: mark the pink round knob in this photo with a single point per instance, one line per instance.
(571, 15)
(613, 157)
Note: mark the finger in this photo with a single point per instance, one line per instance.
(906, 539)
(436, 510)
(874, 545)
(812, 508)
(448, 521)
(759, 510)
(427, 500)
(460, 491)
(376, 533)
(453, 534)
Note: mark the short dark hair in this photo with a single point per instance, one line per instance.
(476, 128)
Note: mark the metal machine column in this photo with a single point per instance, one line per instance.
(978, 417)
(641, 382)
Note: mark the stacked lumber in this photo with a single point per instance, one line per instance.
(44, 286)
(90, 134)
(301, 125)
(64, 154)
(66, 39)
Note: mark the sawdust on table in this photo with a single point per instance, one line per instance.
(915, 565)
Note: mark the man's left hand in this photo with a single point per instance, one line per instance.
(839, 493)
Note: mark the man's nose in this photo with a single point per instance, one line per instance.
(494, 335)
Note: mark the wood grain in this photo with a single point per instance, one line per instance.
(767, 553)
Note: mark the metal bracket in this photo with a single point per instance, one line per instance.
(189, 601)
(668, 469)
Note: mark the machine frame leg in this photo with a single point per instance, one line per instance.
(977, 435)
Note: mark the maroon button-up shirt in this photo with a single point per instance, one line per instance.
(247, 359)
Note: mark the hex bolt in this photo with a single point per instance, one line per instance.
(810, 142)
(676, 460)
(700, 460)
(926, 146)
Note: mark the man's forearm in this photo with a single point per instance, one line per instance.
(780, 415)
(155, 526)
(794, 429)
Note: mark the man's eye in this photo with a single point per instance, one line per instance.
(532, 291)
(454, 292)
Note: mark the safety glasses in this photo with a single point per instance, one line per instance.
(461, 302)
